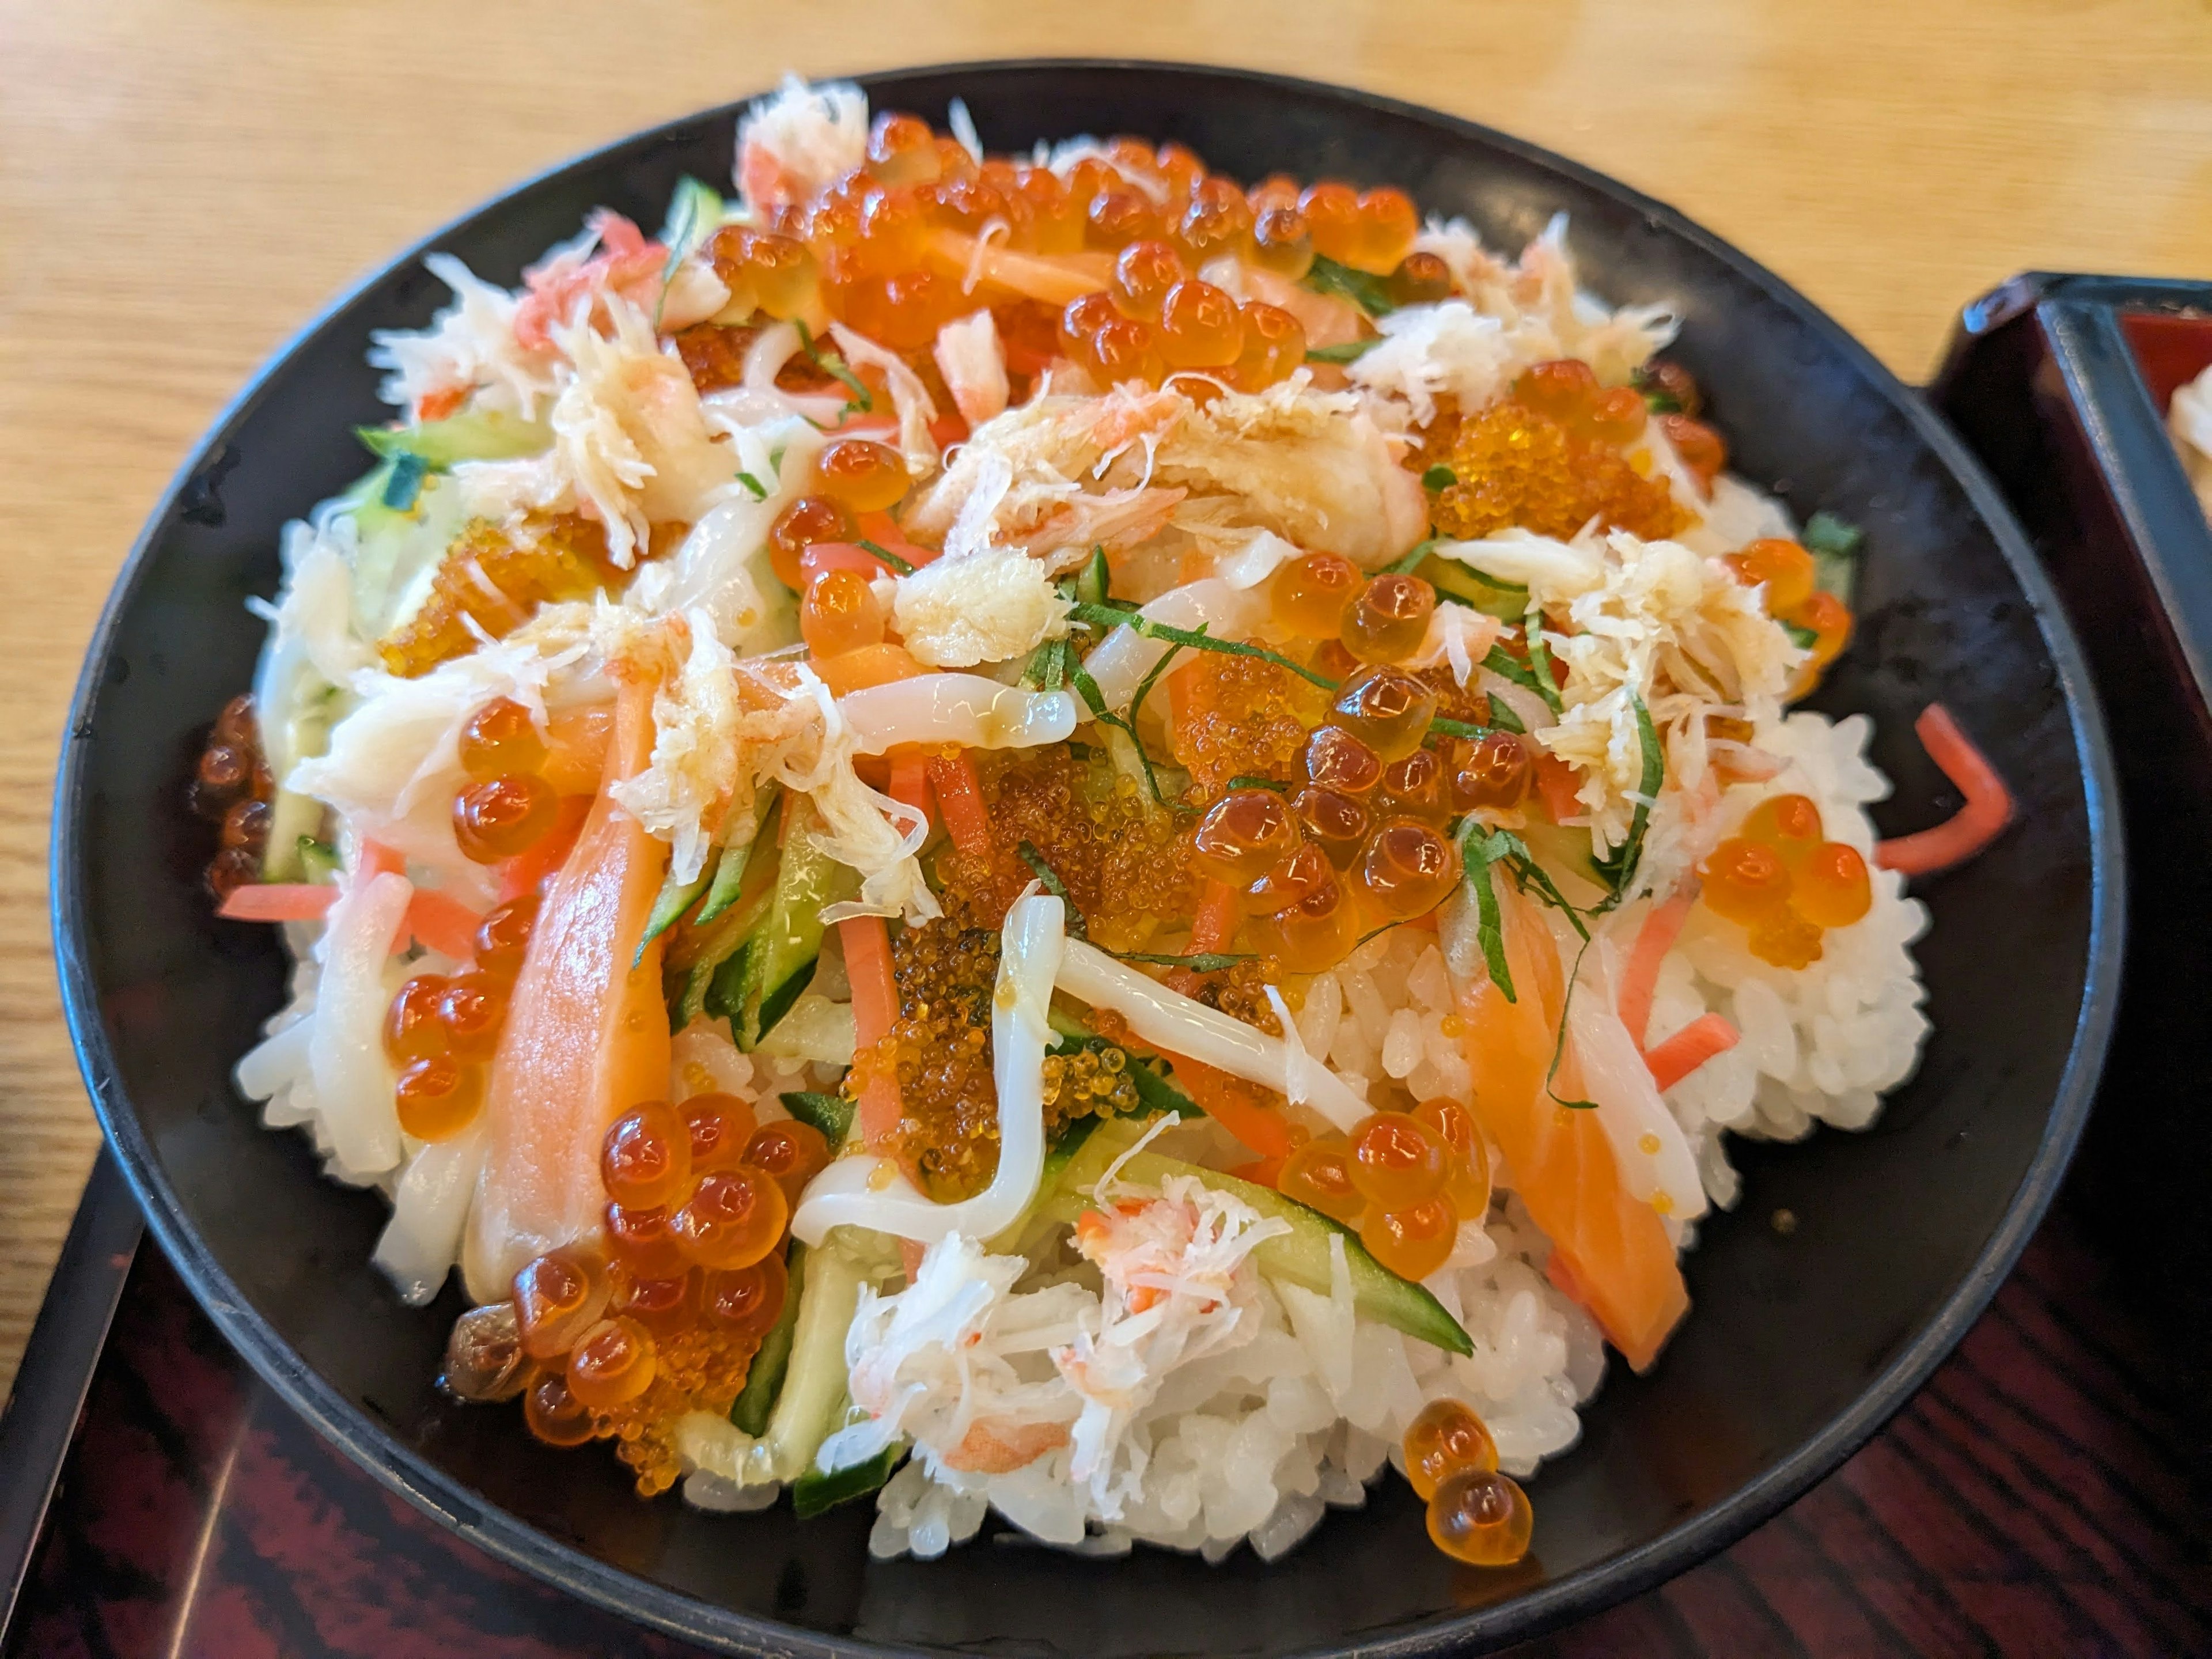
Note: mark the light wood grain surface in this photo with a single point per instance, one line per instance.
(182, 184)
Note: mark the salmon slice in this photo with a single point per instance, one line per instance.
(1610, 1252)
(586, 1033)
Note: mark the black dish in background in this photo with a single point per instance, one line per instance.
(1800, 1345)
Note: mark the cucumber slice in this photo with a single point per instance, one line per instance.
(675, 897)
(831, 1114)
(737, 857)
(1301, 1255)
(700, 957)
(815, 1491)
(811, 1403)
(1562, 851)
(1508, 601)
(765, 1377)
(471, 435)
(779, 958)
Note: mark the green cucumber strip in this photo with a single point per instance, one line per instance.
(319, 860)
(471, 435)
(779, 962)
(1464, 585)
(814, 1491)
(831, 1114)
(675, 897)
(1301, 1256)
(765, 1377)
(737, 857)
(812, 1402)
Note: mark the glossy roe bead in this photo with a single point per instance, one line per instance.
(865, 476)
(840, 613)
(505, 816)
(1309, 595)
(501, 737)
(1244, 836)
(645, 1159)
(733, 1217)
(612, 1364)
(1397, 1160)
(1407, 869)
(1389, 618)
(1445, 1439)
(555, 1415)
(1386, 708)
(1414, 1242)
(793, 1151)
(438, 1097)
(557, 1297)
(1481, 1517)
(1318, 1175)
(720, 1126)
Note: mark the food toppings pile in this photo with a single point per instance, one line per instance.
(828, 731)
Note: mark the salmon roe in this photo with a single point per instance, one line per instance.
(1446, 1438)
(1784, 884)
(1481, 1517)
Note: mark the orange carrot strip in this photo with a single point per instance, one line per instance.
(378, 860)
(875, 1010)
(960, 798)
(911, 1250)
(1556, 782)
(910, 778)
(1653, 941)
(443, 923)
(524, 872)
(277, 901)
(1974, 826)
(883, 530)
(1211, 929)
(1688, 1048)
(1226, 1100)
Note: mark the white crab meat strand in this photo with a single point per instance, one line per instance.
(1184, 1026)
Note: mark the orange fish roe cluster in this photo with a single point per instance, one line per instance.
(1240, 992)
(1516, 466)
(1455, 702)
(939, 1051)
(497, 577)
(1784, 884)
(1122, 868)
(700, 1368)
(1239, 717)
(1088, 1083)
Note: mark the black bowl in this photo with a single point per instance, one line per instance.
(1799, 1346)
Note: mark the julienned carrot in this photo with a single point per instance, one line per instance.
(910, 778)
(960, 798)
(378, 860)
(883, 530)
(443, 923)
(1556, 782)
(1228, 1102)
(1688, 1048)
(1974, 826)
(1653, 941)
(867, 944)
(1211, 929)
(277, 901)
(524, 872)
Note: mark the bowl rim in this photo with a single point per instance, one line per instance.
(1588, 1590)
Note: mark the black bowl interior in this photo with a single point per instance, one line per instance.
(1798, 1345)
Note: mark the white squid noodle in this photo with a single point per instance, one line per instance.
(967, 709)
(1125, 657)
(422, 1240)
(853, 1191)
(1647, 1144)
(354, 1082)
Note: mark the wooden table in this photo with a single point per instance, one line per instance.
(181, 186)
